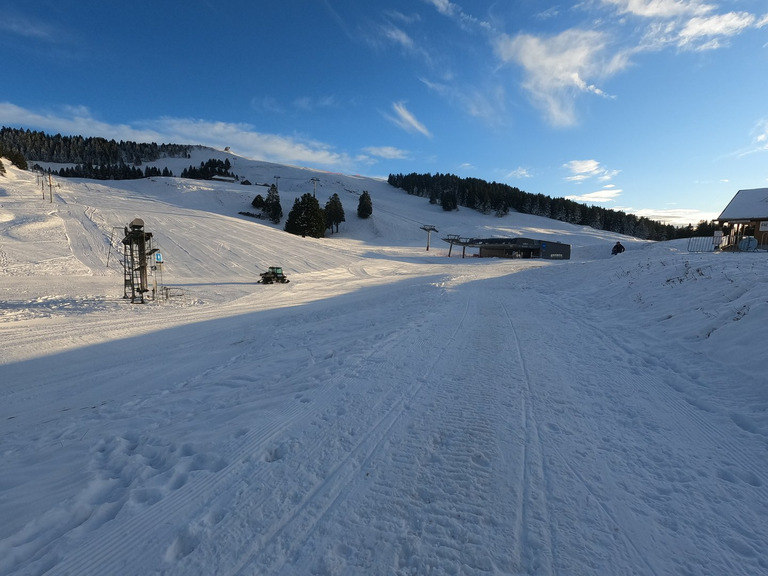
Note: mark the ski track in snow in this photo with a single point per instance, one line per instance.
(387, 412)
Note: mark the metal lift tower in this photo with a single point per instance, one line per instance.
(137, 246)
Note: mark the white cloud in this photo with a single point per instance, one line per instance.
(582, 170)
(21, 26)
(673, 216)
(388, 152)
(487, 104)
(660, 8)
(267, 105)
(759, 140)
(406, 120)
(398, 36)
(444, 7)
(399, 16)
(239, 136)
(551, 12)
(687, 24)
(559, 67)
(519, 172)
(712, 27)
(608, 194)
(760, 135)
(73, 120)
(310, 103)
(454, 11)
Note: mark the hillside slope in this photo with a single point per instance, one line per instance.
(390, 411)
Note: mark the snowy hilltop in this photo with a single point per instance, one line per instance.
(391, 410)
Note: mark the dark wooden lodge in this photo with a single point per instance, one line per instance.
(512, 247)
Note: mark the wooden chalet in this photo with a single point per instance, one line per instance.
(747, 213)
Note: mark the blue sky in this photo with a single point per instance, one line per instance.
(656, 107)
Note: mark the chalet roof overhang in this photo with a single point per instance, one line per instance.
(746, 206)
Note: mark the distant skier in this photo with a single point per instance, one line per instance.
(617, 249)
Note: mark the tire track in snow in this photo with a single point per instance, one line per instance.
(169, 541)
(543, 304)
(648, 445)
(535, 545)
(87, 241)
(452, 506)
(288, 536)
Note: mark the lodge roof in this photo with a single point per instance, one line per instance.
(747, 205)
(506, 242)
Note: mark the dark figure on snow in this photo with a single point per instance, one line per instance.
(617, 249)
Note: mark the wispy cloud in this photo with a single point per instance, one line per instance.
(311, 103)
(388, 152)
(487, 104)
(267, 105)
(406, 120)
(549, 13)
(452, 10)
(607, 194)
(708, 32)
(398, 36)
(21, 26)
(660, 8)
(402, 17)
(519, 172)
(581, 170)
(444, 7)
(760, 132)
(73, 120)
(689, 25)
(241, 137)
(674, 216)
(759, 140)
(558, 67)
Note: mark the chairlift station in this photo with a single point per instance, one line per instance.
(511, 247)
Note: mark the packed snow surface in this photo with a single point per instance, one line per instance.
(391, 410)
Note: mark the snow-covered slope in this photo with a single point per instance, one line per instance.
(390, 411)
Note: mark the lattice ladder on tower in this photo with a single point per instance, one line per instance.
(131, 276)
(119, 252)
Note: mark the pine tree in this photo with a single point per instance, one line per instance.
(334, 213)
(2, 168)
(294, 223)
(306, 218)
(272, 208)
(448, 200)
(364, 206)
